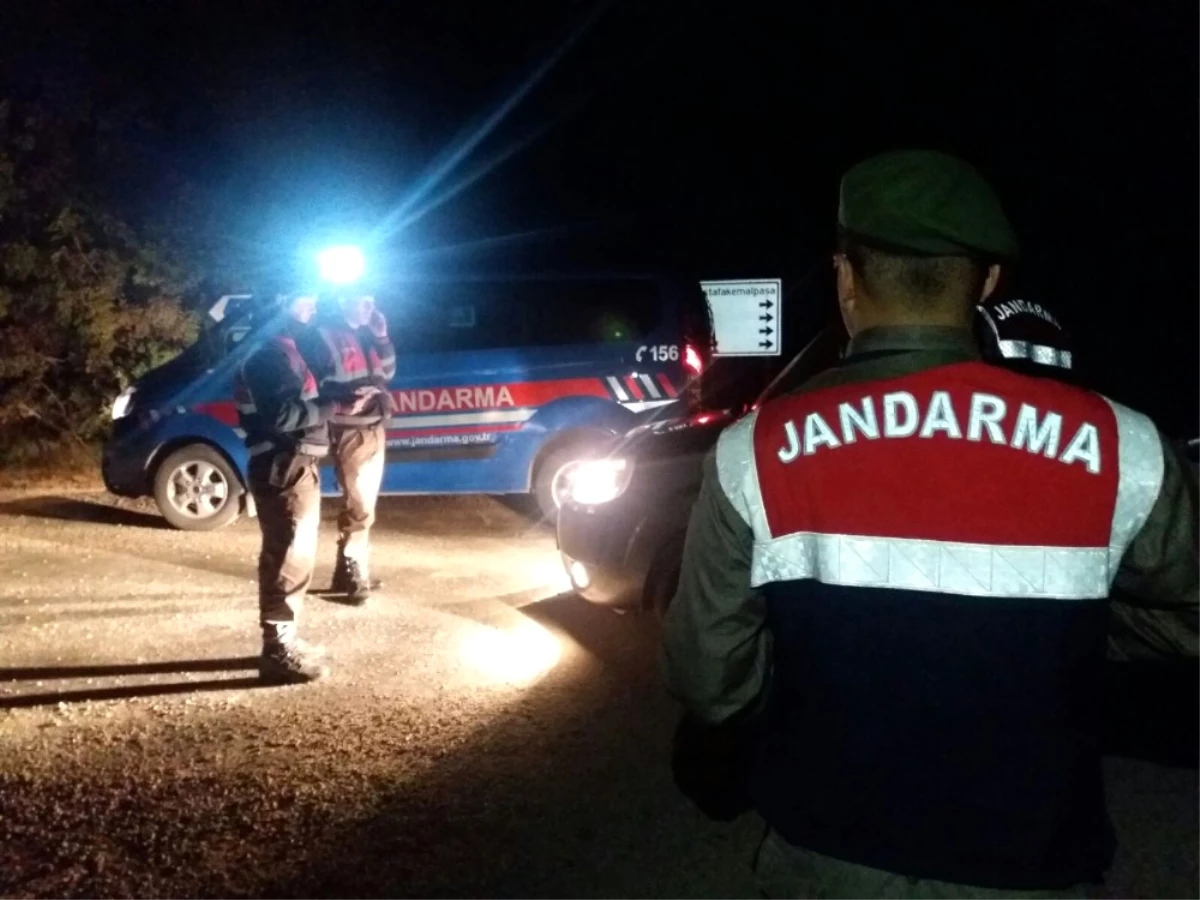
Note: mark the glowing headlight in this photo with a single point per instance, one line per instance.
(598, 480)
(341, 265)
(120, 407)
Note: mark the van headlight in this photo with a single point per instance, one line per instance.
(121, 406)
(596, 481)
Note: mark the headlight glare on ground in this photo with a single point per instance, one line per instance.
(596, 481)
(515, 655)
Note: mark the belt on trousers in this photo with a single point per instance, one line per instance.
(304, 447)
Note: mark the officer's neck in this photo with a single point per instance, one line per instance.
(880, 317)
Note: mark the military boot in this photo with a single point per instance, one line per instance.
(351, 578)
(286, 659)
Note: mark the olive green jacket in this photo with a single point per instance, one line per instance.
(717, 649)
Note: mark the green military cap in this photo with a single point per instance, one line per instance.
(927, 203)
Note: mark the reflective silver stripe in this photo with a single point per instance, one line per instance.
(1140, 468)
(261, 447)
(618, 388)
(737, 473)
(652, 389)
(942, 567)
(484, 417)
(248, 409)
(1038, 353)
(379, 369)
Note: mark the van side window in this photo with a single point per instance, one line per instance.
(446, 317)
(592, 312)
(450, 316)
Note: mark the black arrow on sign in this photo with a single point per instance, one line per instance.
(766, 345)
(765, 331)
(766, 304)
(766, 318)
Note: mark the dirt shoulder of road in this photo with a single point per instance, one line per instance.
(68, 468)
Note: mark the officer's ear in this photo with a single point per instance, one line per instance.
(847, 289)
(990, 282)
(844, 275)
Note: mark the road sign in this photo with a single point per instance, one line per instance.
(747, 316)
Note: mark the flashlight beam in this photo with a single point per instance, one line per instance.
(453, 157)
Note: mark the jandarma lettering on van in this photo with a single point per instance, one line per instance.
(453, 399)
(902, 417)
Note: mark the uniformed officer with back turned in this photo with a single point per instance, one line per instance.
(896, 579)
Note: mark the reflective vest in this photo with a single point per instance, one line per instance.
(350, 368)
(935, 551)
(296, 423)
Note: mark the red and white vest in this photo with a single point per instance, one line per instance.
(934, 552)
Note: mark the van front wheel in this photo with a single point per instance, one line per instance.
(196, 489)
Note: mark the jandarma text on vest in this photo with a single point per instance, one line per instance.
(1011, 308)
(1029, 429)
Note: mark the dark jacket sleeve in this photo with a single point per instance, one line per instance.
(1156, 593)
(277, 392)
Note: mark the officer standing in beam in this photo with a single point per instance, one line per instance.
(354, 361)
(287, 433)
(895, 581)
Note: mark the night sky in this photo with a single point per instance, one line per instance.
(703, 138)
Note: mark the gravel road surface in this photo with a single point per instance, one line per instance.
(483, 733)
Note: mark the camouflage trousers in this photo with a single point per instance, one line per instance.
(358, 454)
(784, 870)
(287, 495)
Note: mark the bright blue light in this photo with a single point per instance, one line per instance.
(341, 265)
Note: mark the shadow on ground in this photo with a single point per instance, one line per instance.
(72, 509)
(122, 692)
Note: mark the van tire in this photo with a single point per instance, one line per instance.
(546, 478)
(197, 489)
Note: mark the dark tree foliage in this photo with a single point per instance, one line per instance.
(87, 300)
